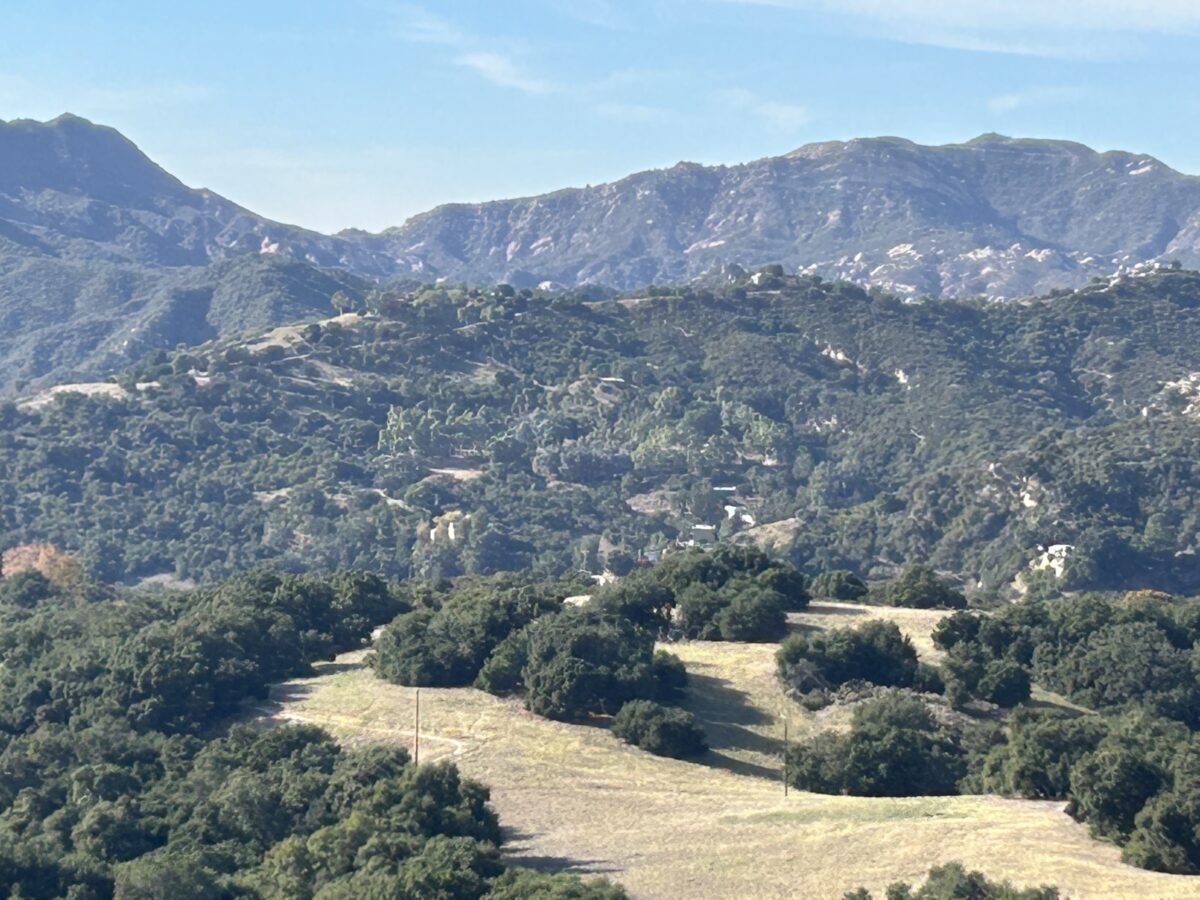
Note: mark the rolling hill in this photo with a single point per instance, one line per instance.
(475, 431)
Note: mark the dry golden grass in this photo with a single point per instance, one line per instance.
(917, 624)
(574, 797)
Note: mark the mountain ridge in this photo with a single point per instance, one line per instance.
(89, 193)
(961, 207)
(962, 210)
(99, 245)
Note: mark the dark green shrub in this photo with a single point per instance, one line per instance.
(920, 587)
(894, 748)
(501, 671)
(670, 677)
(953, 882)
(582, 663)
(876, 651)
(1005, 683)
(839, 584)
(525, 884)
(662, 730)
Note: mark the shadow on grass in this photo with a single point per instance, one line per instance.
(726, 715)
(513, 851)
(290, 692)
(738, 766)
(1063, 707)
(332, 668)
(828, 609)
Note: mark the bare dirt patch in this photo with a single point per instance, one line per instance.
(90, 389)
(652, 503)
(772, 535)
(458, 473)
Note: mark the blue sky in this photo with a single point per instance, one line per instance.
(363, 112)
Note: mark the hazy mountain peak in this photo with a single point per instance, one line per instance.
(73, 155)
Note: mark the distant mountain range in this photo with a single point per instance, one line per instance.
(104, 255)
(997, 217)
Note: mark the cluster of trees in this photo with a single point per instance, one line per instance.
(895, 747)
(839, 584)
(1011, 428)
(1129, 767)
(1102, 652)
(1134, 778)
(918, 587)
(119, 783)
(514, 635)
(952, 881)
(508, 637)
(812, 665)
(450, 635)
(734, 593)
(172, 662)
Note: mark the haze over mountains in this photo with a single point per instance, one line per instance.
(105, 256)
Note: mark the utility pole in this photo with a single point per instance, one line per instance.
(785, 756)
(417, 732)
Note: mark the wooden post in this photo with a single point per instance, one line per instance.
(785, 756)
(417, 732)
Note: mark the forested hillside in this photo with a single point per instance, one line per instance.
(447, 431)
(124, 778)
(75, 321)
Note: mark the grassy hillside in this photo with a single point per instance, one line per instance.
(474, 431)
(566, 791)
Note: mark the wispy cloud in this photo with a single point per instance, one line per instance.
(1075, 28)
(1041, 95)
(418, 25)
(774, 113)
(1080, 15)
(502, 71)
(423, 27)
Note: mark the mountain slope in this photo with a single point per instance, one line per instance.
(104, 257)
(73, 190)
(69, 321)
(996, 216)
(497, 430)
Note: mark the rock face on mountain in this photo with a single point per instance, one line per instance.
(997, 217)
